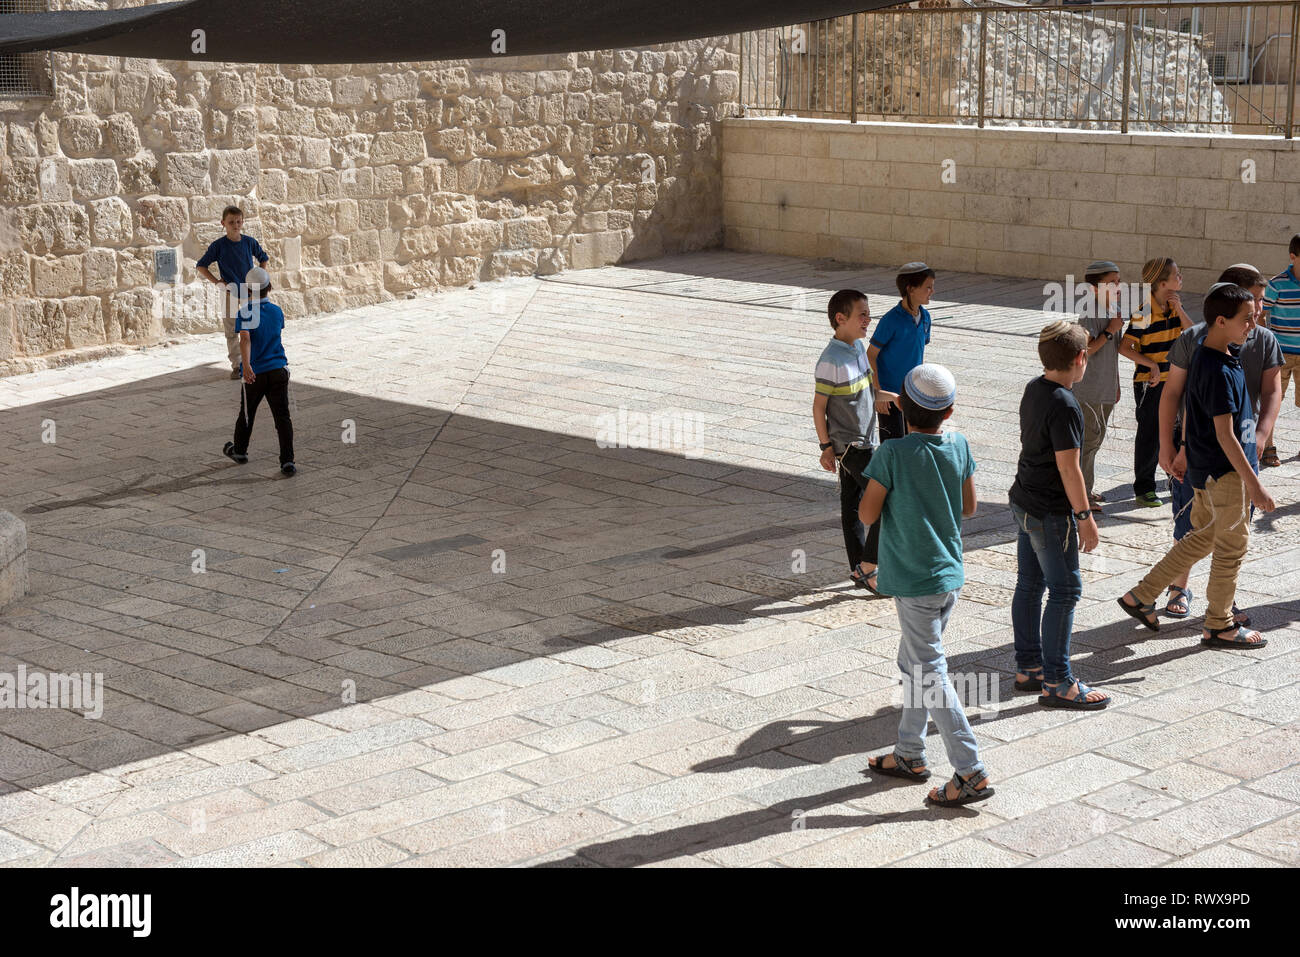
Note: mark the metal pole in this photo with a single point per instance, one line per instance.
(853, 74)
(983, 32)
(1290, 87)
(1128, 68)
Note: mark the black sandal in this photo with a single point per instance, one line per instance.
(867, 581)
(967, 793)
(1184, 597)
(1031, 683)
(1143, 613)
(903, 767)
(1236, 641)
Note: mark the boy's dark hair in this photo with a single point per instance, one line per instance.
(231, 211)
(1059, 352)
(1223, 303)
(842, 302)
(1243, 276)
(1093, 278)
(1295, 245)
(911, 280)
(919, 417)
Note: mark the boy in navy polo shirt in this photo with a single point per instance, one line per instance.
(265, 371)
(844, 416)
(1219, 422)
(235, 254)
(898, 345)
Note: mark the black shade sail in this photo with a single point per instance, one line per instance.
(378, 31)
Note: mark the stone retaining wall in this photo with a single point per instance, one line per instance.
(1020, 202)
(363, 183)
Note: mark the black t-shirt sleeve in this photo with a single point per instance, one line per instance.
(1065, 426)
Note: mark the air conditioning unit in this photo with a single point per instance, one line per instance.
(1231, 67)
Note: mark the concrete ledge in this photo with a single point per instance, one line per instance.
(13, 558)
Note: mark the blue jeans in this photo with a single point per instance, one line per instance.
(1047, 549)
(926, 688)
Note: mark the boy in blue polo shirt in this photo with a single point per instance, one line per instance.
(265, 371)
(1282, 316)
(898, 345)
(1219, 422)
(844, 415)
(235, 254)
(920, 487)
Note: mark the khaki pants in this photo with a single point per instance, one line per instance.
(1220, 527)
(1095, 418)
(1290, 367)
(228, 326)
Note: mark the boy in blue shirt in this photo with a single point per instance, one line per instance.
(1219, 422)
(898, 345)
(265, 371)
(919, 488)
(235, 254)
(844, 415)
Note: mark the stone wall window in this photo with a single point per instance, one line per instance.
(24, 75)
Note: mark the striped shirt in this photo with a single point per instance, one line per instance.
(1282, 310)
(844, 376)
(1153, 336)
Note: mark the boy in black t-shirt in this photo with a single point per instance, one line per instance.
(1050, 503)
(1219, 421)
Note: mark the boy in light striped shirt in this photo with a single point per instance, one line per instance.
(1282, 316)
(844, 415)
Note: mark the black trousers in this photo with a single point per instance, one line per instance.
(274, 386)
(1146, 447)
(892, 424)
(861, 543)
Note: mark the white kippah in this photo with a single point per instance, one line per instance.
(257, 277)
(908, 268)
(931, 386)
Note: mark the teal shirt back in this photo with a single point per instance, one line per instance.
(920, 531)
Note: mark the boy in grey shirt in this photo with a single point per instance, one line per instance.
(1098, 391)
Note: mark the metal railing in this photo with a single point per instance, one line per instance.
(25, 75)
(1227, 67)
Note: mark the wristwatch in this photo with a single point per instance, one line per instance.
(1083, 516)
(826, 445)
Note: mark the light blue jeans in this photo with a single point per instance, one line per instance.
(926, 688)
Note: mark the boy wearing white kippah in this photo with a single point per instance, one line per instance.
(1050, 506)
(1098, 390)
(919, 488)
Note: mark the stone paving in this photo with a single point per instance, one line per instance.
(472, 635)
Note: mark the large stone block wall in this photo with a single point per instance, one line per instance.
(363, 183)
(1023, 202)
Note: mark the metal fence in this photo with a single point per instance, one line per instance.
(1209, 67)
(24, 75)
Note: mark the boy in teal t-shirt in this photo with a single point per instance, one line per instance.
(920, 487)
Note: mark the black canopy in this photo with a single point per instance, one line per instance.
(377, 31)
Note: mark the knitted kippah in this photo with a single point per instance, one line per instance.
(1152, 270)
(1221, 285)
(1054, 329)
(1101, 266)
(1242, 266)
(931, 386)
(908, 268)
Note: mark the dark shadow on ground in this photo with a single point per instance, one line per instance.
(372, 566)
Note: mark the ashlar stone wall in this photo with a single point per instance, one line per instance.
(363, 183)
